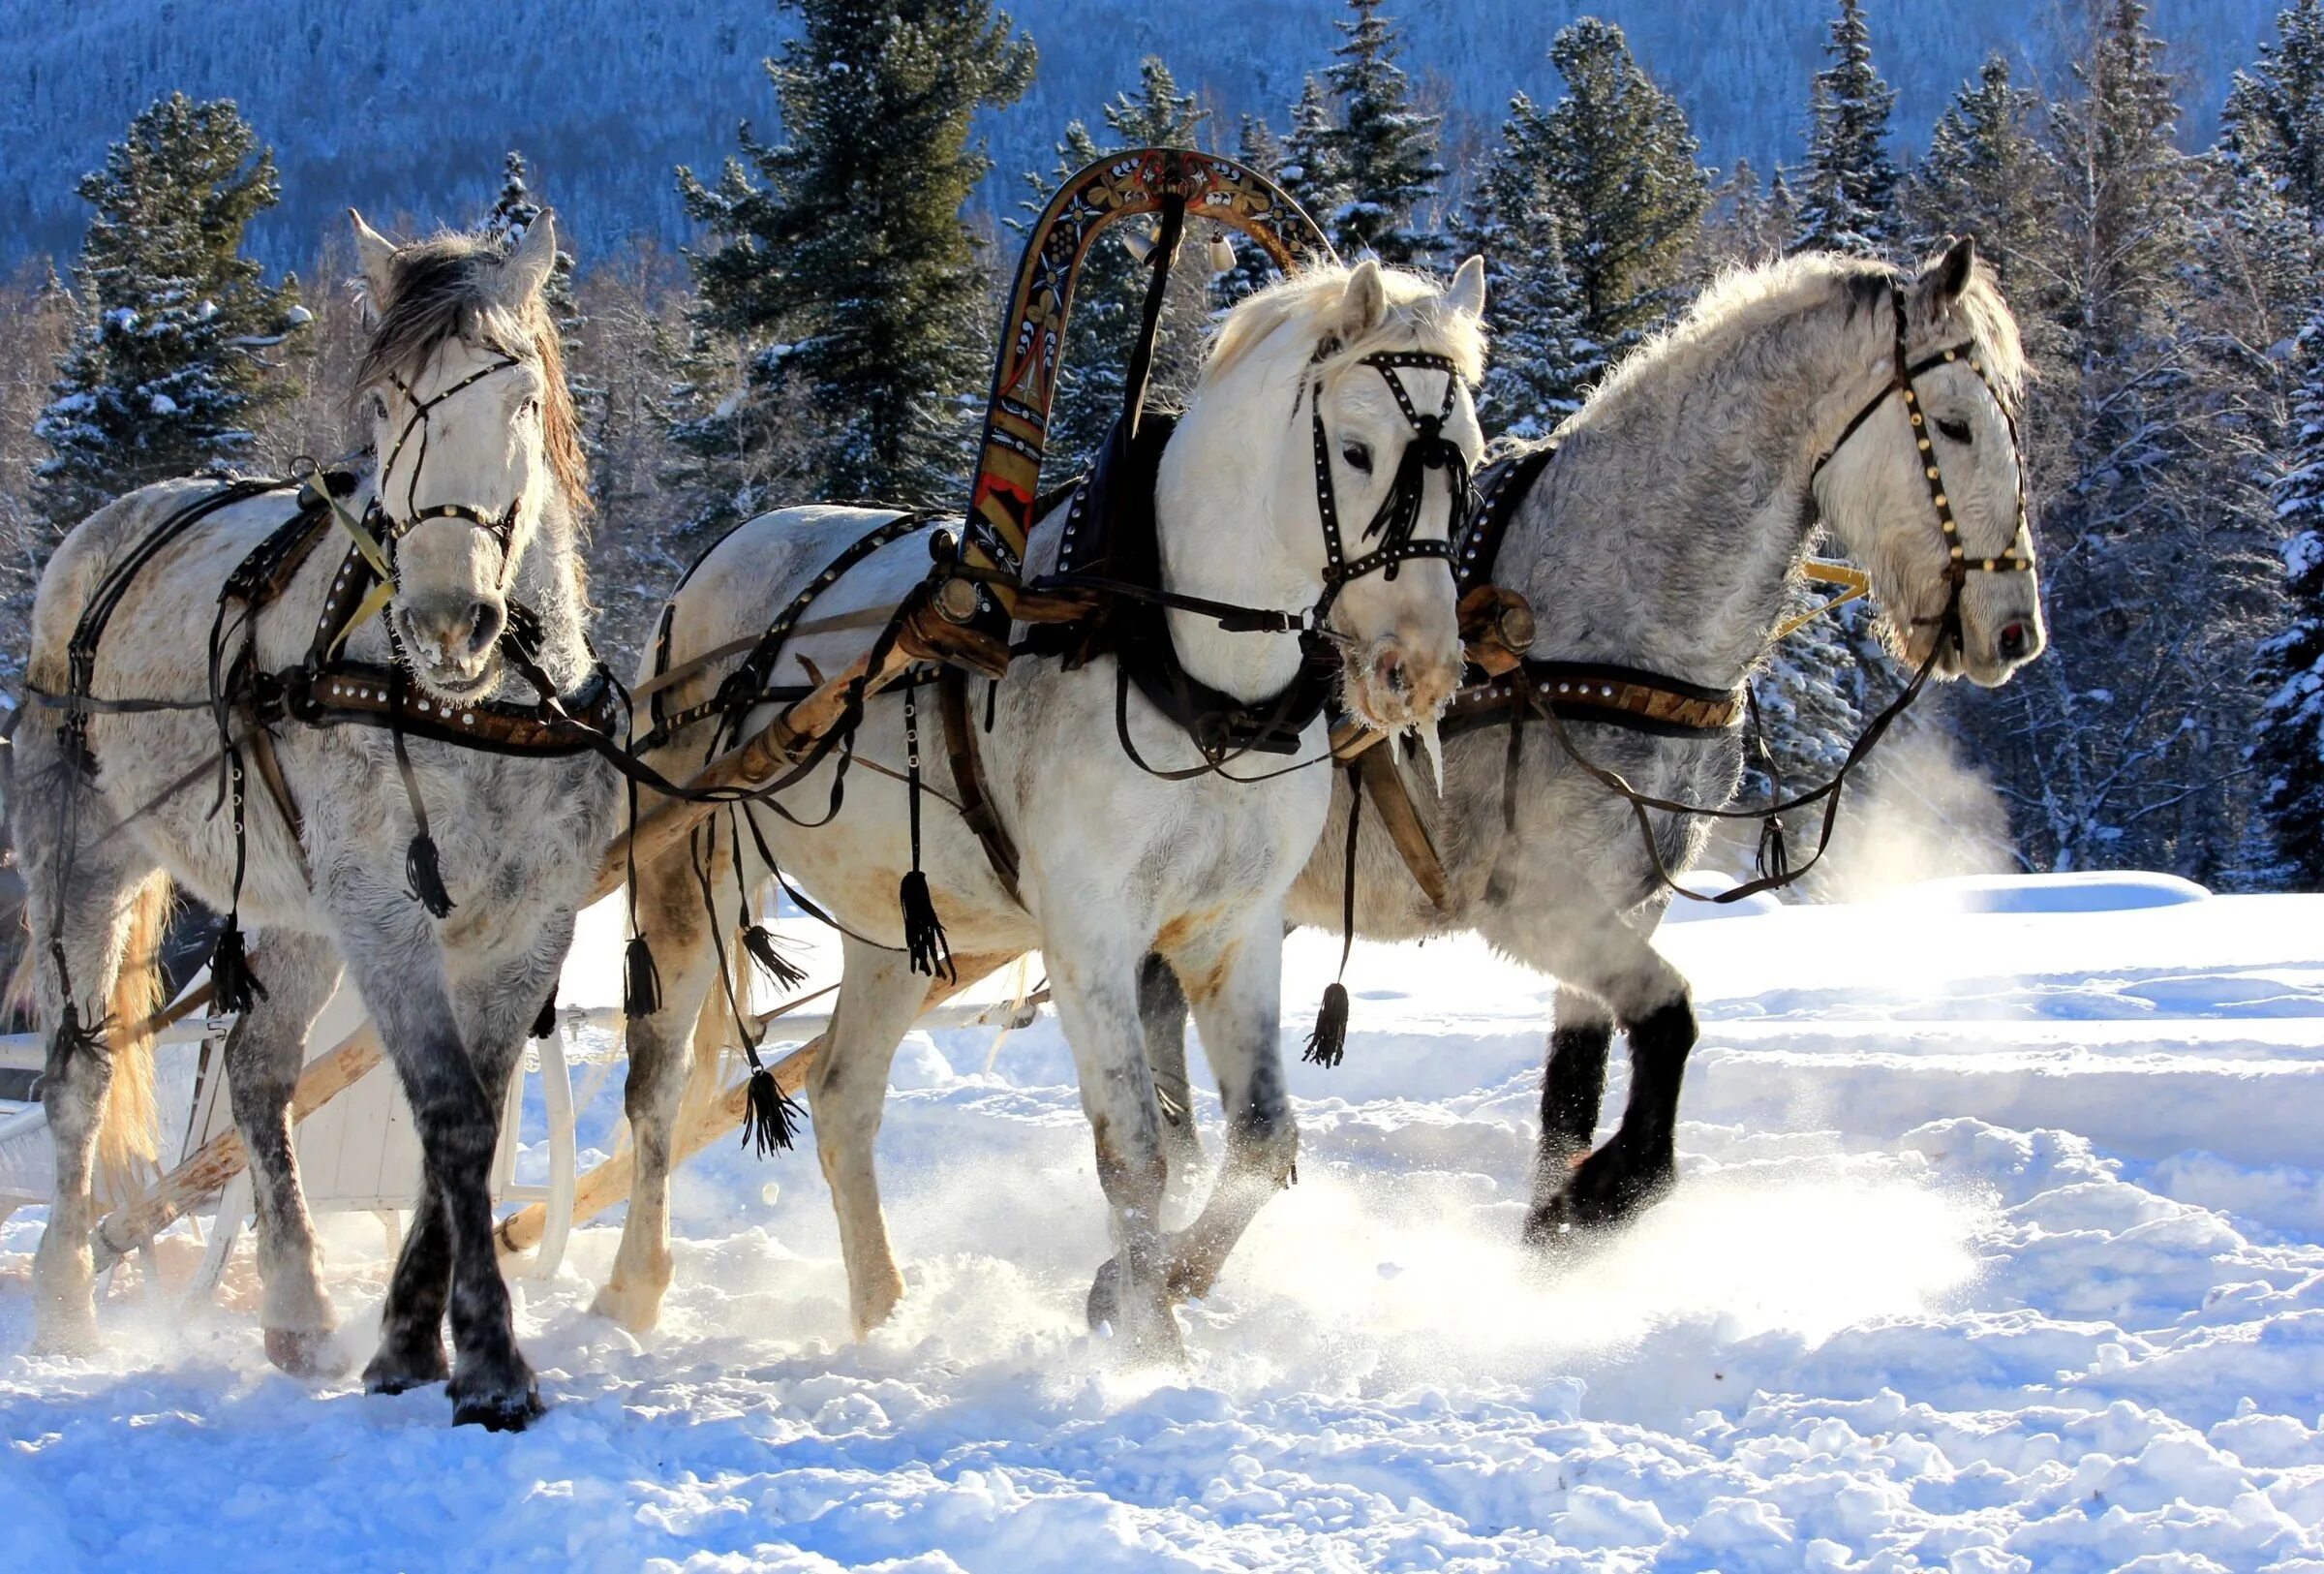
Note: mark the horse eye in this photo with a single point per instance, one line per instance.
(1357, 456)
(1957, 430)
(379, 407)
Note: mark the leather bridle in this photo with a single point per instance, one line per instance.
(2018, 556)
(1400, 513)
(501, 528)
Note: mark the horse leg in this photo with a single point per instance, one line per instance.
(1572, 1087)
(1592, 949)
(1162, 1012)
(492, 1384)
(455, 1109)
(1236, 985)
(670, 916)
(263, 1056)
(98, 895)
(1096, 991)
(879, 995)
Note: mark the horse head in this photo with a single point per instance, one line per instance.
(1926, 486)
(473, 427)
(1361, 376)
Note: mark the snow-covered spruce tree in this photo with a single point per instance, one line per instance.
(168, 373)
(2289, 751)
(1981, 175)
(1109, 297)
(1544, 358)
(1741, 228)
(839, 261)
(2274, 117)
(1384, 149)
(2122, 747)
(1256, 148)
(1310, 169)
(1848, 183)
(1619, 158)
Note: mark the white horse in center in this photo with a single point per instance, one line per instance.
(1336, 397)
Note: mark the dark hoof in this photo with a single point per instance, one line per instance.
(399, 1371)
(1605, 1190)
(1105, 1296)
(500, 1412)
(305, 1352)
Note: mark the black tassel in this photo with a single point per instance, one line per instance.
(72, 1038)
(423, 877)
(233, 987)
(544, 1026)
(923, 934)
(641, 982)
(1328, 1045)
(760, 943)
(768, 1115)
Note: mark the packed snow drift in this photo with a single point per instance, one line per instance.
(2000, 1246)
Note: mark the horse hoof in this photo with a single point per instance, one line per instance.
(305, 1352)
(1605, 1190)
(500, 1412)
(402, 1370)
(67, 1339)
(632, 1308)
(1105, 1297)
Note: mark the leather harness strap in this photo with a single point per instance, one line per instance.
(974, 797)
(1377, 776)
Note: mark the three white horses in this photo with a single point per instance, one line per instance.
(446, 874)
(1312, 399)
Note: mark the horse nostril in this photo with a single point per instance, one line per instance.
(485, 621)
(1389, 669)
(2013, 641)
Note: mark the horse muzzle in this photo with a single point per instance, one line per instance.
(1394, 682)
(450, 644)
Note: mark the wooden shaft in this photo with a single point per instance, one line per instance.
(609, 1183)
(774, 749)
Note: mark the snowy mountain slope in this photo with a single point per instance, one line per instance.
(2001, 1247)
(406, 106)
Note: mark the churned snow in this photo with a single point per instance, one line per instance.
(2000, 1246)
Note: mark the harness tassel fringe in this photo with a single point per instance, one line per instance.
(1329, 1043)
(923, 934)
(233, 987)
(641, 981)
(769, 1116)
(759, 941)
(423, 877)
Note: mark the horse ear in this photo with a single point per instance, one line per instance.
(528, 268)
(1364, 303)
(1945, 276)
(376, 253)
(1467, 295)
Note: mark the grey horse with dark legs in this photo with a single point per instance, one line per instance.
(446, 874)
(1664, 536)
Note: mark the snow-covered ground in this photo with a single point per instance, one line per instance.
(2001, 1246)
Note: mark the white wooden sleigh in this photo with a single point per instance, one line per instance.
(358, 1151)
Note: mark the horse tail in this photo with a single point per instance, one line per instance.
(712, 1030)
(129, 1130)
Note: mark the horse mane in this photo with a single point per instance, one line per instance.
(1416, 315)
(445, 288)
(1746, 300)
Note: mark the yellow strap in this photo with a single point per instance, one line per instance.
(372, 604)
(1855, 583)
(365, 542)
